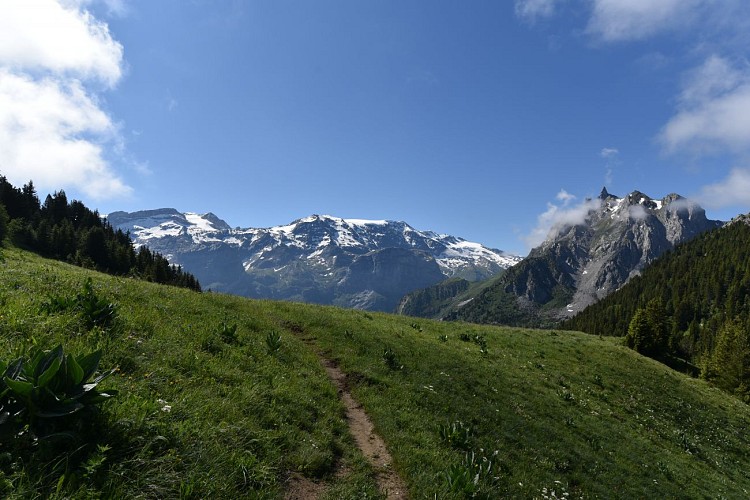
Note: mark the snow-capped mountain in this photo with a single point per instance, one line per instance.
(581, 263)
(367, 264)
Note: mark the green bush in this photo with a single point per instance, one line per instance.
(391, 360)
(46, 393)
(94, 311)
(455, 434)
(273, 342)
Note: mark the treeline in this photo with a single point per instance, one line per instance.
(692, 303)
(71, 232)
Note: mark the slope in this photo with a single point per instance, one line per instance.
(701, 290)
(528, 411)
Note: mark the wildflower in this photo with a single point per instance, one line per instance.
(165, 407)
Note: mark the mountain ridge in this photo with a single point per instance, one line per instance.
(318, 258)
(585, 259)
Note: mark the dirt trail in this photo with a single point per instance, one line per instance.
(367, 440)
(371, 444)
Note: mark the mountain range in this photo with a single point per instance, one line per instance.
(578, 264)
(364, 264)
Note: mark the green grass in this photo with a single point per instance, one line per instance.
(196, 417)
(201, 414)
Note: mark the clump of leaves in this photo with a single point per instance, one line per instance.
(273, 342)
(477, 339)
(228, 333)
(456, 434)
(49, 393)
(416, 327)
(391, 360)
(474, 477)
(93, 309)
(443, 338)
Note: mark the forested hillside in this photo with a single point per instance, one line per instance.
(692, 304)
(71, 232)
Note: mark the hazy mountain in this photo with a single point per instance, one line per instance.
(583, 262)
(328, 260)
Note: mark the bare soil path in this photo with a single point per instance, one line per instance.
(367, 440)
(372, 445)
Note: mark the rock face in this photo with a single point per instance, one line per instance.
(320, 259)
(580, 264)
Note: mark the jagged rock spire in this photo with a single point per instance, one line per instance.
(604, 194)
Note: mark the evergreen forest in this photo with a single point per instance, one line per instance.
(71, 232)
(690, 308)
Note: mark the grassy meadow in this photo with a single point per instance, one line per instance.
(207, 410)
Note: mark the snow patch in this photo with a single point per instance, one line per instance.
(199, 222)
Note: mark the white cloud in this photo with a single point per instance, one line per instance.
(713, 111)
(732, 191)
(637, 212)
(54, 56)
(531, 10)
(557, 218)
(610, 155)
(565, 197)
(42, 35)
(622, 20)
(42, 128)
(609, 152)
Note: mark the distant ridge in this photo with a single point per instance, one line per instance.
(365, 264)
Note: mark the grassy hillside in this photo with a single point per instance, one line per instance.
(205, 413)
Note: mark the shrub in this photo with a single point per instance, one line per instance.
(228, 333)
(456, 434)
(474, 477)
(391, 360)
(48, 392)
(93, 310)
(273, 342)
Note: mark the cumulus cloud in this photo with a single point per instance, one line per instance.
(44, 35)
(531, 10)
(55, 58)
(559, 217)
(713, 110)
(732, 191)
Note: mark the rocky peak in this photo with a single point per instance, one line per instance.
(580, 264)
(604, 195)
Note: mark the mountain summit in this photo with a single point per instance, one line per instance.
(367, 264)
(581, 263)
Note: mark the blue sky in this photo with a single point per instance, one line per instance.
(486, 119)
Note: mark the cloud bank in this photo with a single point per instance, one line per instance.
(55, 59)
(558, 217)
(713, 111)
(734, 190)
